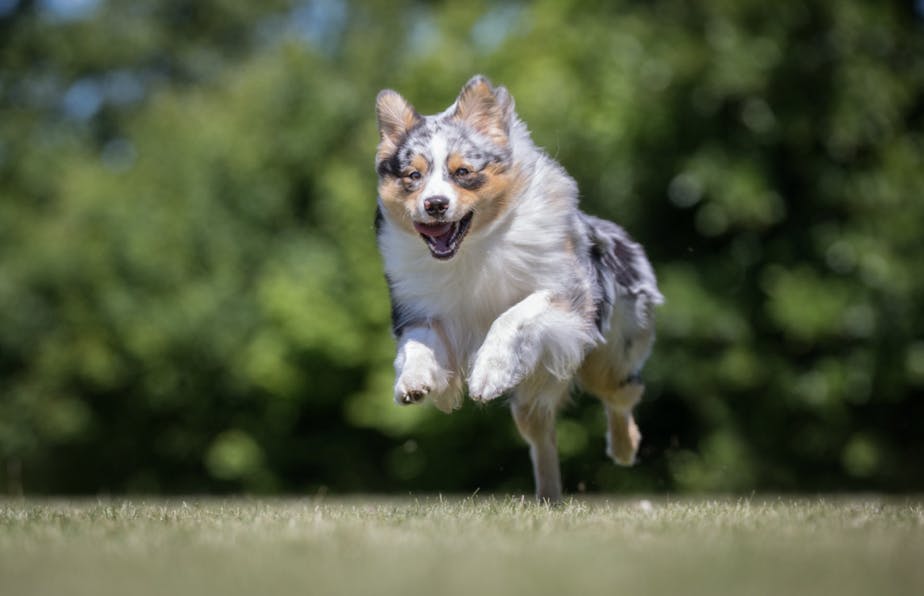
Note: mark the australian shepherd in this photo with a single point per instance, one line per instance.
(499, 284)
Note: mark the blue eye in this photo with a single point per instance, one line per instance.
(460, 172)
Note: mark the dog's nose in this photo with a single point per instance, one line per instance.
(436, 206)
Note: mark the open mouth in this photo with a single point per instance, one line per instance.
(444, 239)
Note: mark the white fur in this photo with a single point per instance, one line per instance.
(498, 291)
(437, 184)
(422, 368)
(533, 330)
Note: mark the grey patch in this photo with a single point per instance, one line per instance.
(399, 317)
(389, 166)
(620, 269)
(477, 150)
(604, 294)
(379, 220)
(418, 143)
(414, 142)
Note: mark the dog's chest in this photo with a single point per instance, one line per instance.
(474, 295)
(466, 295)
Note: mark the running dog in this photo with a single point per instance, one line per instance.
(499, 284)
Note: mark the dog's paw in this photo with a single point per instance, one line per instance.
(622, 439)
(491, 377)
(414, 385)
(410, 396)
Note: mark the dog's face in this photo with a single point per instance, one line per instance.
(442, 177)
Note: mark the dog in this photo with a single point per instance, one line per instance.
(499, 284)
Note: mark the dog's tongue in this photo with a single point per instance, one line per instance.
(439, 234)
(433, 230)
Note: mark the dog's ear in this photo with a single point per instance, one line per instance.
(487, 108)
(396, 116)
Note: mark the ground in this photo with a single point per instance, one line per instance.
(475, 546)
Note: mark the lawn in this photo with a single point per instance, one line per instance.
(473, 547)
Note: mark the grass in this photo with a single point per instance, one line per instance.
(476, 546)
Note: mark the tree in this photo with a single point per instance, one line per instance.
(190, 298)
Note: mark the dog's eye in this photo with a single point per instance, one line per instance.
(461, 172)
(415, 175)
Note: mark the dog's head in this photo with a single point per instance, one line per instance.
(443, 176)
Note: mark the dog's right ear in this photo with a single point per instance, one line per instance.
(488, 109)
(396, 116)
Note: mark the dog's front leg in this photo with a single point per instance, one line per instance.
(422, 369)
(538, 330)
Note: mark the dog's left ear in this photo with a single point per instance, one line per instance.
(488, 109)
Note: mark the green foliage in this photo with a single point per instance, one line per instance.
(191, 299)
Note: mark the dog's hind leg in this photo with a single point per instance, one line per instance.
(534, 411)
(622, 436)
(619, 394)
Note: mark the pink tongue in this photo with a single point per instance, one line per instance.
(433, 230)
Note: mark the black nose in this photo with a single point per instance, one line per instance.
(436, 205)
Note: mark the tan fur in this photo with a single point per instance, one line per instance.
(399, 195)
(622, 436)
(598, 377)
(456, 161)
(398, 202)
(492, 199)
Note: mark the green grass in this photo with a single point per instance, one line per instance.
(472, 547)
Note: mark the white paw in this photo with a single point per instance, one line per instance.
(492, 376)
(416, 383)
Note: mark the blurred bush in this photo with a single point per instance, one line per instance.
(191, 299)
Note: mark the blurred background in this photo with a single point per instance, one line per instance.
(191, 300)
